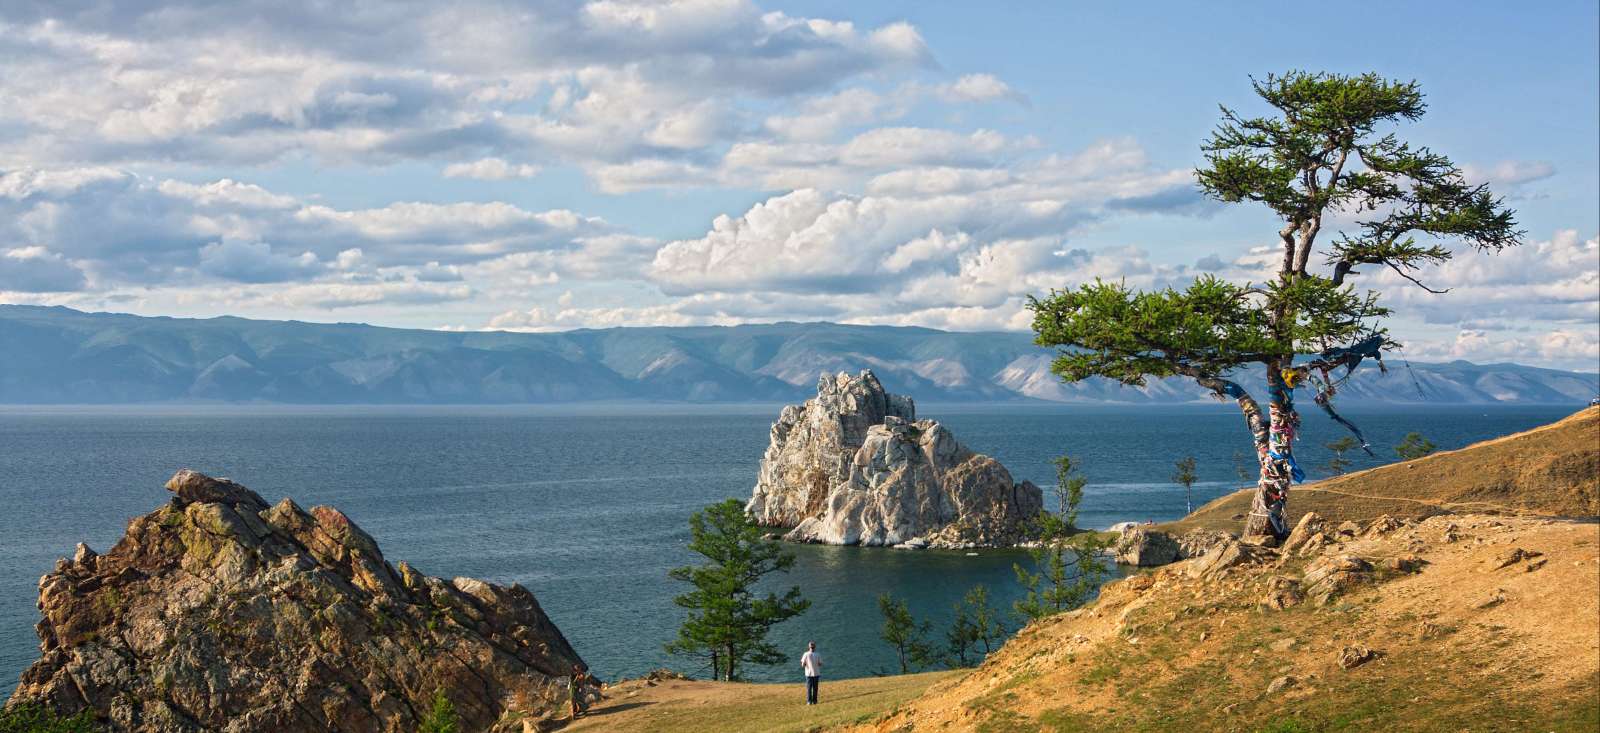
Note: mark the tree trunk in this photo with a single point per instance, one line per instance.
(1276, 458)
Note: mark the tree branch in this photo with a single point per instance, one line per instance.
(1414, 281)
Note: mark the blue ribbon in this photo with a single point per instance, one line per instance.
(1295, 473)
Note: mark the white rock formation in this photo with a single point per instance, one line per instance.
(853, 465)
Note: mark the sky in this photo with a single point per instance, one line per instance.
(547, 166)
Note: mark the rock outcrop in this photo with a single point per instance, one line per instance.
(853, 466)
(1146, 547)
(218, 612)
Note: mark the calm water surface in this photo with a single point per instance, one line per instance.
(587, 506)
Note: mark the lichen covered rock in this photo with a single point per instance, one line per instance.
(218, 612)
(854, 466)
(1146, 547)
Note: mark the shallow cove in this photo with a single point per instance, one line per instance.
(587, 506)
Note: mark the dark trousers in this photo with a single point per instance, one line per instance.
(811, 689)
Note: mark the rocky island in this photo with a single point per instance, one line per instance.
(854, 466)
(219, 612)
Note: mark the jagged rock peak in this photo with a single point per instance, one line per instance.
(853, 465)
(218, 612)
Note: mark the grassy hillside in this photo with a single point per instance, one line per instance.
(1552, 470)
(1456, 643)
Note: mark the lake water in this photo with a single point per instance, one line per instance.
(587, 506)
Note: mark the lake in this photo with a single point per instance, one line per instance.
(587, 506)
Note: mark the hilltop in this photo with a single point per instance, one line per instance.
(60, 355)
(1399, 602)
(1550, 470)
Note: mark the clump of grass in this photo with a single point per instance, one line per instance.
(30, 717)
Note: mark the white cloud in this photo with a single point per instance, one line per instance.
(590, 84)
(1555, 280)
(99, 229)
(490, 169)
(979, 88)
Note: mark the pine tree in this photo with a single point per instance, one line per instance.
(1183, 475)
(1067, 562)
(728, 621)
(1323, 154)
(903, 632)
(1414, 446)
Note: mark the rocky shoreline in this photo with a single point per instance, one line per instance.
(219, 612)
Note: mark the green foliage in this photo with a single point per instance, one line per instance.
(1183, 474)
(908, 636)
(1322, 151)
(1338, 464)
(728, 621)
(977, 630)
(1069, 488)
(30, 717)
(441, 717)
(1068, 566)
(1414, 446)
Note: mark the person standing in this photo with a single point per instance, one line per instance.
(811, 664)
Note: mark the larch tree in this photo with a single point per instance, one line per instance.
(728, 620)
(1324, 156)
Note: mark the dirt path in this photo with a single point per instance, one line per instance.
(685, 705)
(1475, 505)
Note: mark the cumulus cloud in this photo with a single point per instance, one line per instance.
(593, 83)
(115, 229)
(1555, 280)
(490, 169)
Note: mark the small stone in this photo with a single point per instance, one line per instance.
(1355, 656)
(1510, 557)
(1408, 563)
(1282, 683)
(83, 555)
(1494, 599)
(1283, 645)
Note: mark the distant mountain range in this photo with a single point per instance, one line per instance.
(59, 355)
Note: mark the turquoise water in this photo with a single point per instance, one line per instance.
(587, 506)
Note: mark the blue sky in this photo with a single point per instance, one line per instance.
(555, 165)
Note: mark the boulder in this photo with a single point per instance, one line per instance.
(1354, 656)
(853, 466)
(1146, 547)
(1282, 593)
(1228, 555)
(1310, 525)
(1198, 542)
(217, 613)
(1331, 576)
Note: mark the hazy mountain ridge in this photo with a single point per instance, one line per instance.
(60, 355)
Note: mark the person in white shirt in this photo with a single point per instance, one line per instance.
(811, 664)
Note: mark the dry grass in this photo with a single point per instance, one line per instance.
(1552, 470)
(1170, 653)
(682, 705)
